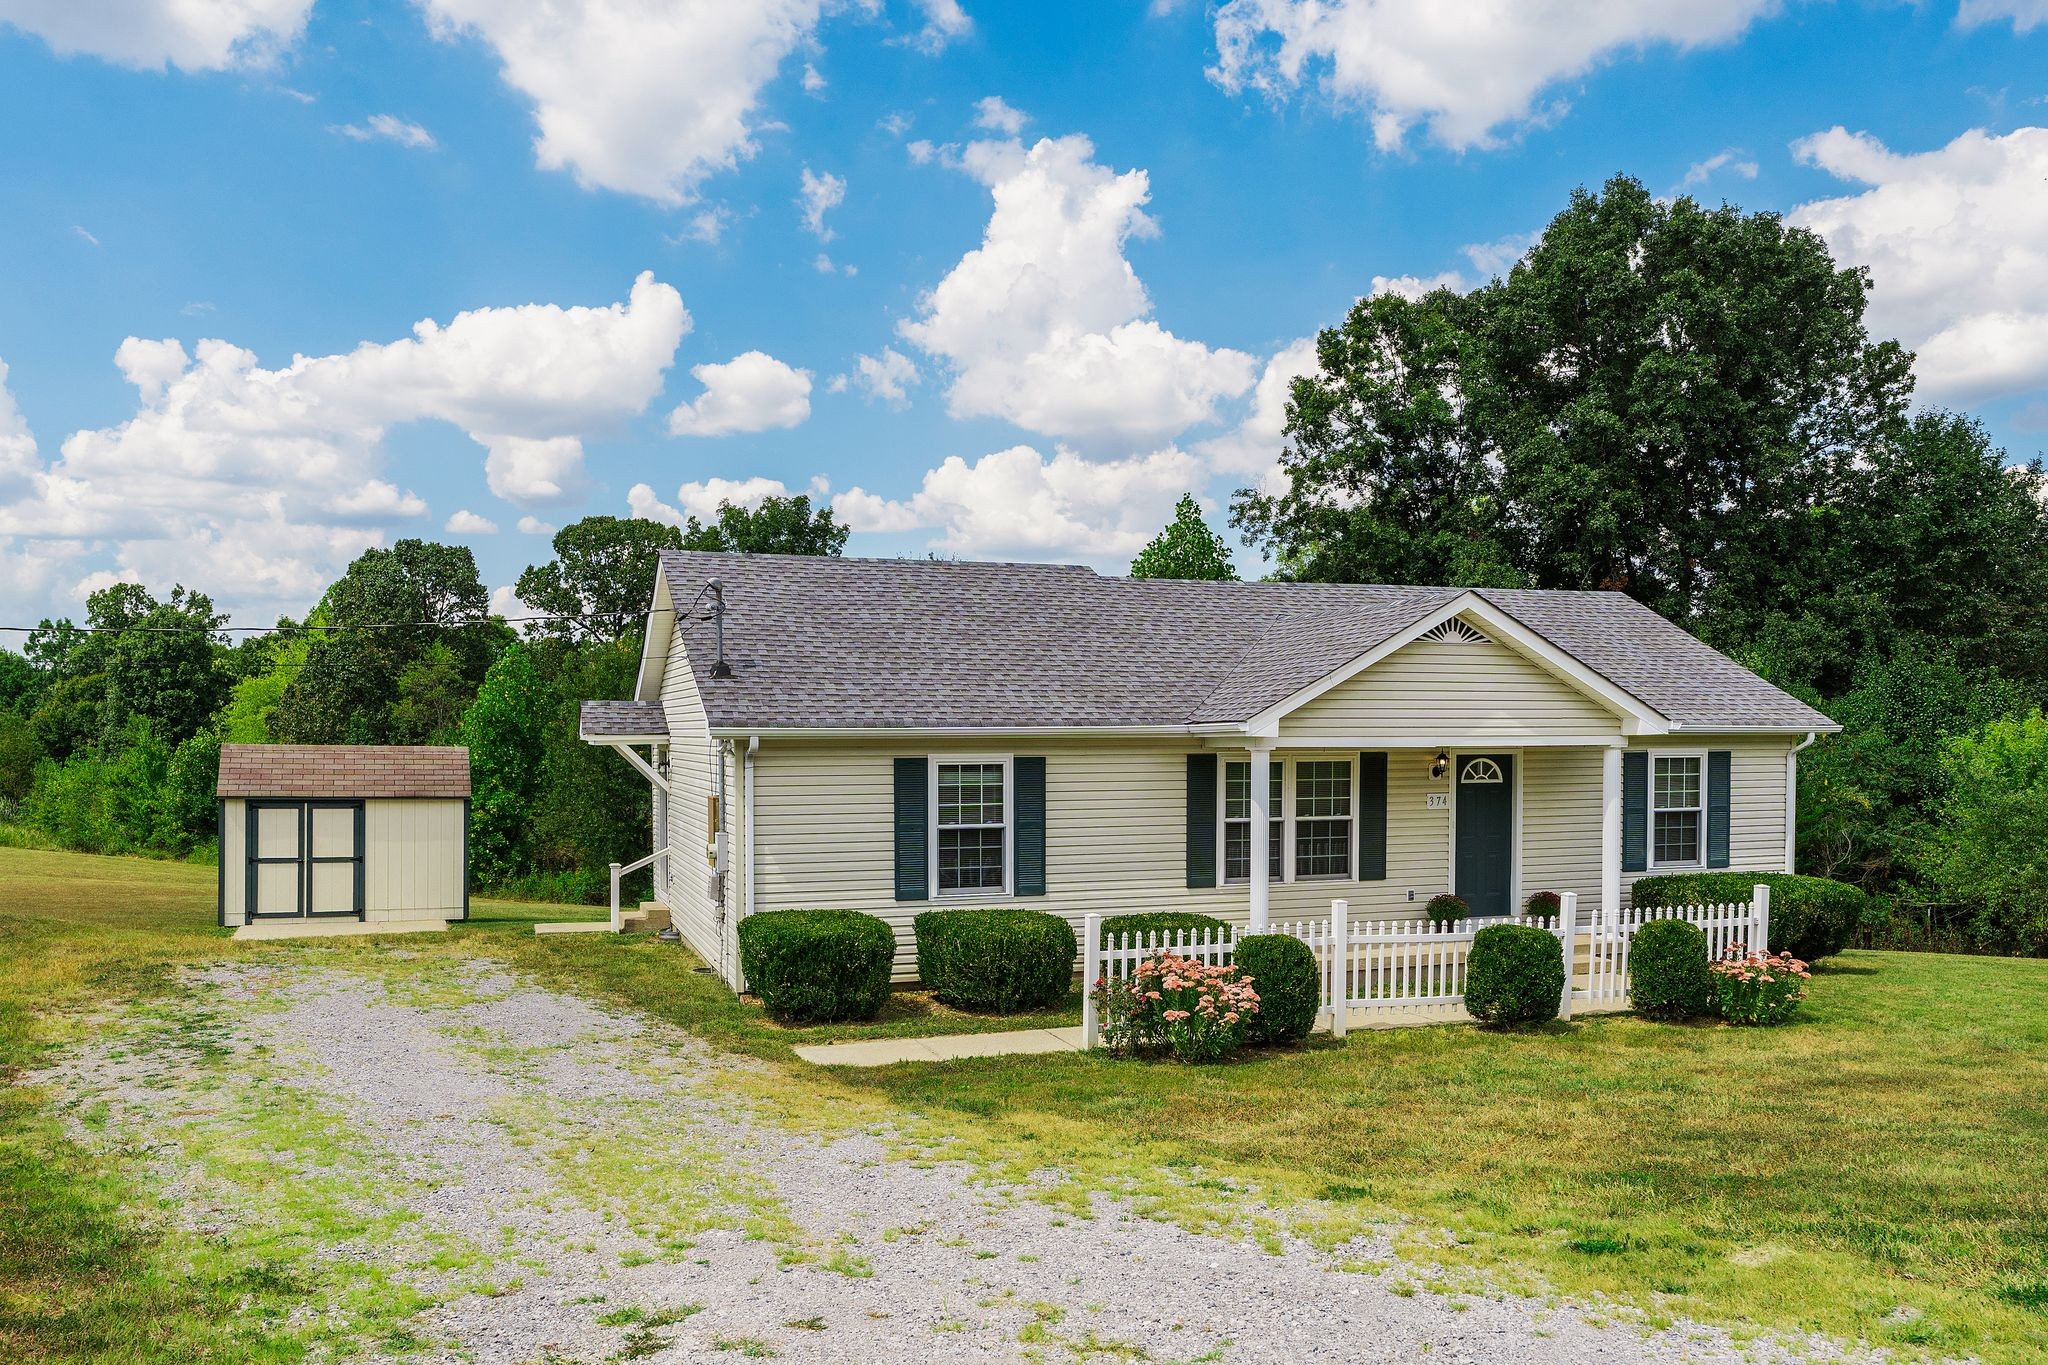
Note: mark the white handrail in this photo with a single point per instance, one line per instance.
(619, 871)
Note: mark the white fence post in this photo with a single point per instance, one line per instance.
(1760, 917)
(617, 924)
(1340, 968)
(1568, 934)
(1091, 967)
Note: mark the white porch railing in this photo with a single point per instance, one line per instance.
(618, 871)
(1413, 964)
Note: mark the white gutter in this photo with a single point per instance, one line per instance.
(1792, 800)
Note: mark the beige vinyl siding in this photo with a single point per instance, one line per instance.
(234, 886)
(1116, 836)
(1561, 823)
(693, 780)
(1756, 806)
(1432, 690)
(412, 859)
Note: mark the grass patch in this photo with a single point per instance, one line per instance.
(1873, 1171)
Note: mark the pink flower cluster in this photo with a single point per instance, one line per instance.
(1758, 988)
(1193, 1009)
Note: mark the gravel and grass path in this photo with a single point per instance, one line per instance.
(457, 1164)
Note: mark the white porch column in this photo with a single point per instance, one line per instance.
(660, 753)
(1262, 832)
(1610, 834)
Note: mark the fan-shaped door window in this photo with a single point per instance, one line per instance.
(1478, 770)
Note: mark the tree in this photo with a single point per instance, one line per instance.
(779, 526)
(1992, 827)
(163, 659)
(506, 729)
(1659, 398)
(20, 681)
(19, 754)
(1187, 548)
(387, 612)
(601, 578)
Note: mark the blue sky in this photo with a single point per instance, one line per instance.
(998, 280)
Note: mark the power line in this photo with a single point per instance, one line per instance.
(66, 627)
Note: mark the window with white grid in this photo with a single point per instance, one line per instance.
(1677, 809)
(1322, 818)
(1237, 823)
(971, 823)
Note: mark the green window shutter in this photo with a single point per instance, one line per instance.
(1635, 812)
(913, 833)
(1372, 817)
(1029, 774)
(1718, 772)
(1201, 819)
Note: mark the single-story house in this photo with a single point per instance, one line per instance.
(342, 838)
(893, 735)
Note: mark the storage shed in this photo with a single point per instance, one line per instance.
(342, 838)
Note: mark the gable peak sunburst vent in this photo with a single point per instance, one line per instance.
(1456, 631)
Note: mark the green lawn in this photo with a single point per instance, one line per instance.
(1878, 1170)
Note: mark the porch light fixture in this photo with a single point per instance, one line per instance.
(1439, 766)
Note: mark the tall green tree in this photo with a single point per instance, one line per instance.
(164, 662)
(506, 729)
(779, 526)
(601, 579)
(1657, 398)
(386, 614)
(1187, 548)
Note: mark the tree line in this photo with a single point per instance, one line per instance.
(110, 729)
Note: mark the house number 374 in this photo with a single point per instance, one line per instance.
(1439, 801)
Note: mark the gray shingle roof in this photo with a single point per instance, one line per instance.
(820, 642)
(623, 718)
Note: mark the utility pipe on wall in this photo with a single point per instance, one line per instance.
(1792, 801)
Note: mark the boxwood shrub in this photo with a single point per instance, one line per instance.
(1161, 922)
(1667, 971)
(1515, 975)
(1446, 909)
(1811, 917)
(995, 960)
(817, 966)
(1290, 986)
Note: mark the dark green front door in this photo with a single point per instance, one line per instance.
(1485, 869)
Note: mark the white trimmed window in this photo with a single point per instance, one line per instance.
(1237, 823)
(970, 826)
(1322, 818)
(1677, 809)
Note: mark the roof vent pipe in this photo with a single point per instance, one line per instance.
(719, 667)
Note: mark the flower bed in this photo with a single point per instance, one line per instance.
(1194, 1011)
(1758, 988)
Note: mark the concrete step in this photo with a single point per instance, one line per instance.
(651, 918)
(579, 926)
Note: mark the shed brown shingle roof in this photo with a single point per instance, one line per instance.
(343, 770)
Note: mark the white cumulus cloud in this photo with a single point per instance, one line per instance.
(995, 114)
(534, 526)
(643, 98)
(887, 376)
(944, 21)
(1253, 448)
(258, 484)
(192, 35)
(818, 195)
(1952, 238)
(751, 392)
(1730, 159)
(1018, 502)
(1460, 70)
(701, 498)
(468, 523)
(1046, 324)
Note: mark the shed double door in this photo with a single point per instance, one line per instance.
(305, 859)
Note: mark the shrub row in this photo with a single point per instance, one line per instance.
(1811, 917)
(817, 966)
(995, 960)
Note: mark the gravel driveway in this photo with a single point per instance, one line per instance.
(474, 1168)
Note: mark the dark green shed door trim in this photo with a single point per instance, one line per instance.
(1719, 766)
(913, 838)
(1635, 811)
(1372, 817)
(1029, 774)
(1201, 819)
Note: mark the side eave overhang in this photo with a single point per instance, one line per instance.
(654, 648)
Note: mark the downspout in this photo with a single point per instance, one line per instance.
(1792, 800)
(747, 821)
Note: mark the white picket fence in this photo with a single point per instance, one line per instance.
(1386, 965)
